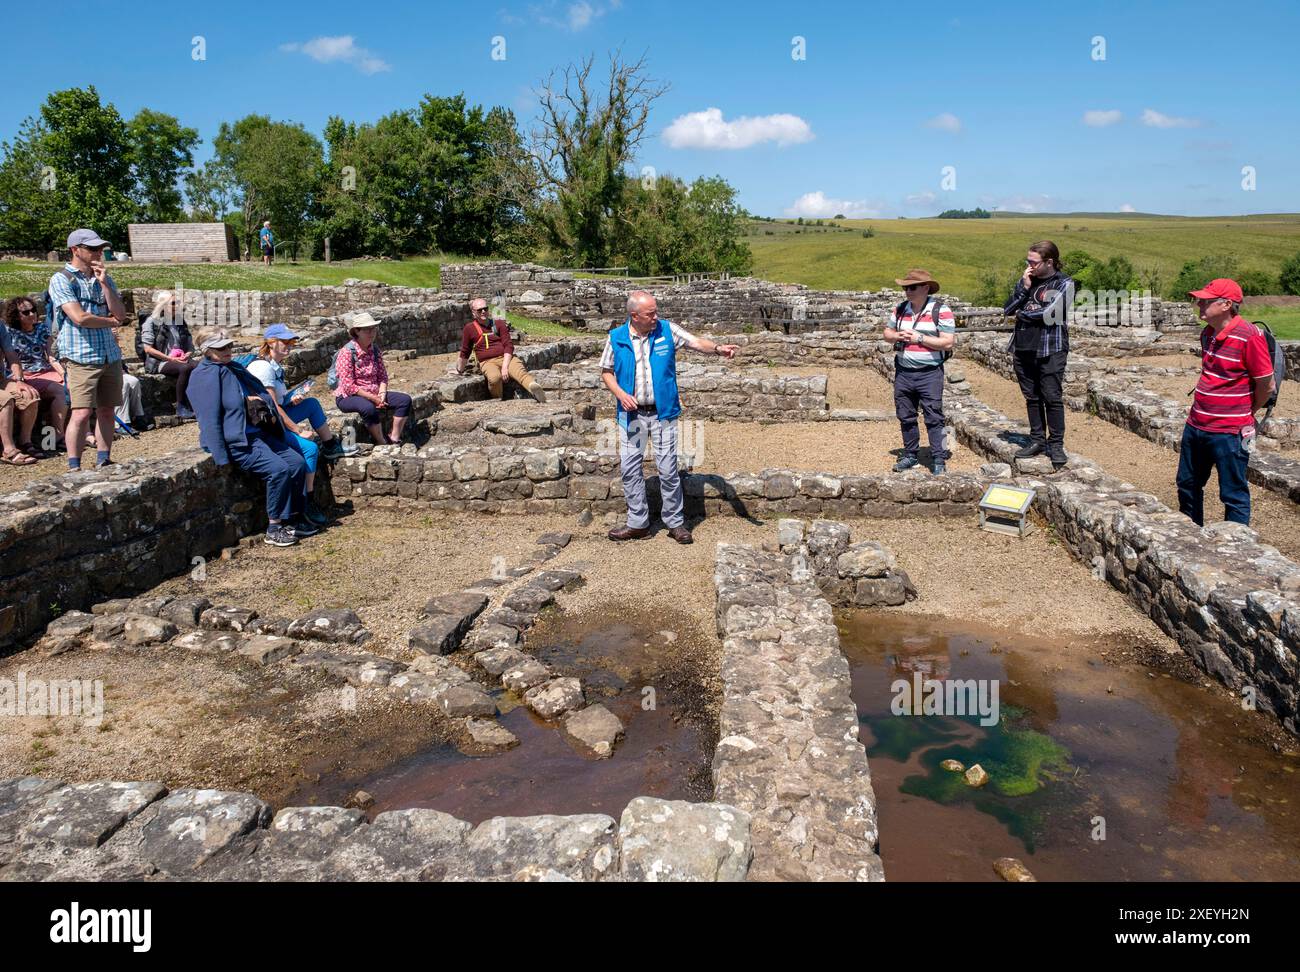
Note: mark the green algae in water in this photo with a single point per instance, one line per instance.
(1020, 762)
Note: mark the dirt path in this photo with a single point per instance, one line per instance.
(1141, 462)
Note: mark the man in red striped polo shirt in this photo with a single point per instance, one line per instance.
(1236, 381)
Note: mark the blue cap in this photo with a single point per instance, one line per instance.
(280, 332)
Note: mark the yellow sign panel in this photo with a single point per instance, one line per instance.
(1006, 498)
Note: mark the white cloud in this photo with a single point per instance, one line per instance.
(816, 205)
(947, 122)
(707, 130)
(1028, 203)
(329, 49)
(1154, 119)
(1100, 118)
(1128, 208)
(577, 16)
(920, 199)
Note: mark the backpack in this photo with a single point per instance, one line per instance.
(934, 316)
(1276, 355)
(49, 301)
(332, 378)
(245, 359)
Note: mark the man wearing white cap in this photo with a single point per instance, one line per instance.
(87, 307)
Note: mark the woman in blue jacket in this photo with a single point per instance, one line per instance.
(220, 392)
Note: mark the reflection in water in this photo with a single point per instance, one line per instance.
(1095, 772)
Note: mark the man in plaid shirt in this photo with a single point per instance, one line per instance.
(1040, 345)
(86, 309)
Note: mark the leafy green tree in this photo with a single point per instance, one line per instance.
(161, 148)
(276, 167)
(584, 142)
(69, 167)
(1195, 274)
(211, 191)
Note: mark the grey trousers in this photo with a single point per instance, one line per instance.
(132, 399)
(631, 444)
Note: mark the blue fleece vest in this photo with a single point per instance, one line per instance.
(663, 368)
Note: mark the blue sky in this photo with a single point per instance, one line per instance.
(1009, 95)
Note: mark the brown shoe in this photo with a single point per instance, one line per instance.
(536, 391)
(629, 533)
(681, 534)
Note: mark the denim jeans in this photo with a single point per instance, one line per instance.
(1202, 451)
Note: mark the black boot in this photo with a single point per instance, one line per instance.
(1036, 447)
(1056, 452)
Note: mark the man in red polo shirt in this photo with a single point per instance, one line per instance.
(1236, 381)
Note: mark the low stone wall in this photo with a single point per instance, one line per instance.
(522, 480)
(788, 752)
(1231, 602)
(131, 831)
(71, 540)
(707, 392)
(240, 309)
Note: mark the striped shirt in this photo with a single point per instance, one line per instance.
(917, 356)
(644, 393)
(1230, 364)
(1042, 315)
(84, 345)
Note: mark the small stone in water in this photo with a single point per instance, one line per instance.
(362, 799)
(1010, 869)
(976, 776)
(952, 765)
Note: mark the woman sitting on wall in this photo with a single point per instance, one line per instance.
(168, 347)
(239, 422)
(268, 368)
(363, 381)
(31, 339)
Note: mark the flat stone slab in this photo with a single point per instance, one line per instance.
(555, 697)
(439, 636)
(141, 630)
(185, 612)
(580, 847)
(673, 840)
(87, 814)
(268, 649)
(524, 674)
(463, 604)
(208, 640)
(556, 579)
(359, 670)
(521, 425)
(860, 415)
(19, 795)
(528, 599)
(867, 558)
(191, 825)
(71, 624)
(495, 661)
(483, 736)
(595, 729)
(227, 618)
(402, 845)
(555, 539)
(330, 624)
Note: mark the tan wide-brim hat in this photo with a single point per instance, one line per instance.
(362, 320)
(918, 277)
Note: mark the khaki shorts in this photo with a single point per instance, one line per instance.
(8, 394)
(95, 386)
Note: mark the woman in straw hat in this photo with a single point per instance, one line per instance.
(363, 381)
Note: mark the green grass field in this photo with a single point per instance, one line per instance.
(957, 250)
(22, 276)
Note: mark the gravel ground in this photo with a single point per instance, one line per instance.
(1141, 462)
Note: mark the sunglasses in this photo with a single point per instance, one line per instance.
(917, 287)
(27, 310)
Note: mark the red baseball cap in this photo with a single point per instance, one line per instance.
(1222, 287)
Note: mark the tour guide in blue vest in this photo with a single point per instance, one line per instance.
(639, 367)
